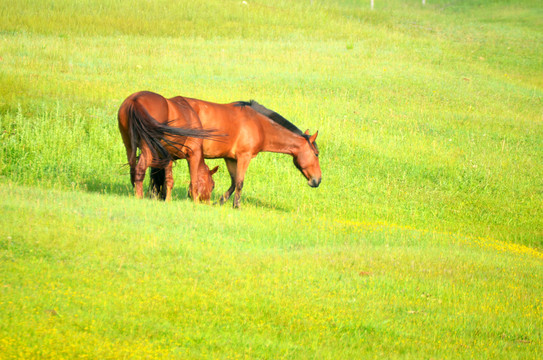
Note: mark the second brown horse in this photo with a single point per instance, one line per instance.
(249, 129)
(164, 130)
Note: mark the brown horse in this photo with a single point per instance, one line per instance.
(251, 128)
(164, 131)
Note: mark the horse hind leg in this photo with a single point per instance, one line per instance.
(125, 135)
(132, 161)
(168, 182)
(140, 169)
(139, 175)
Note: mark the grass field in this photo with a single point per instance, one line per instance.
(424, 240)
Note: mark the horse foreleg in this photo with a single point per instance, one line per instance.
(232, 166)
(243, 164)
(193, 171)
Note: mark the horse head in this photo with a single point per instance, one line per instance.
(307, 159)
(205, 183)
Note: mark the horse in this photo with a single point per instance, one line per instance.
(164, 131)
(249, 129)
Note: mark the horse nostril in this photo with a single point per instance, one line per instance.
(315, 182)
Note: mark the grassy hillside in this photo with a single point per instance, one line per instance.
(106, 276)
(424, 239)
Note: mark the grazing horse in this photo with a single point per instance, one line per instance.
(251, 128)
(164, 131)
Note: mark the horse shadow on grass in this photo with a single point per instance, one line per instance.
(179, 192)
(250, 201)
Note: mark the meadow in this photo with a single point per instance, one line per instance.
(424, 240)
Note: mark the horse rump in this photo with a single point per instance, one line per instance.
(144, 128)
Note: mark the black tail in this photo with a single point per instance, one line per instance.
(144, 128)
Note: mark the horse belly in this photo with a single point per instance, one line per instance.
(217, 149)
(225, 146)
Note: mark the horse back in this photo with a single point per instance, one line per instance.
(241, 125)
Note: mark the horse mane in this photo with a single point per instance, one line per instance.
(275, 117)
(272, 115)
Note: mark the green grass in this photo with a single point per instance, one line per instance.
(424, 239)
(109, 276)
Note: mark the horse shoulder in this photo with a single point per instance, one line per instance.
(252, 132)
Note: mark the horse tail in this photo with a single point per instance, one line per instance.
(143, 128)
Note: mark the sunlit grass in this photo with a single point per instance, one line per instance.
(100, 269)
(449, 143)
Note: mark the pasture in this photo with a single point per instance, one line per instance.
(424, 239)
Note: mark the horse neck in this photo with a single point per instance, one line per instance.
(202, 168)
(280, 140)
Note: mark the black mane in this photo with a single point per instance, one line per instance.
(275, 117)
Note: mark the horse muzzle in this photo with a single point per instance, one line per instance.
(314, 182)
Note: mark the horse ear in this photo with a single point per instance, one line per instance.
(313, 137)
(306, 132)
(214, 170)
